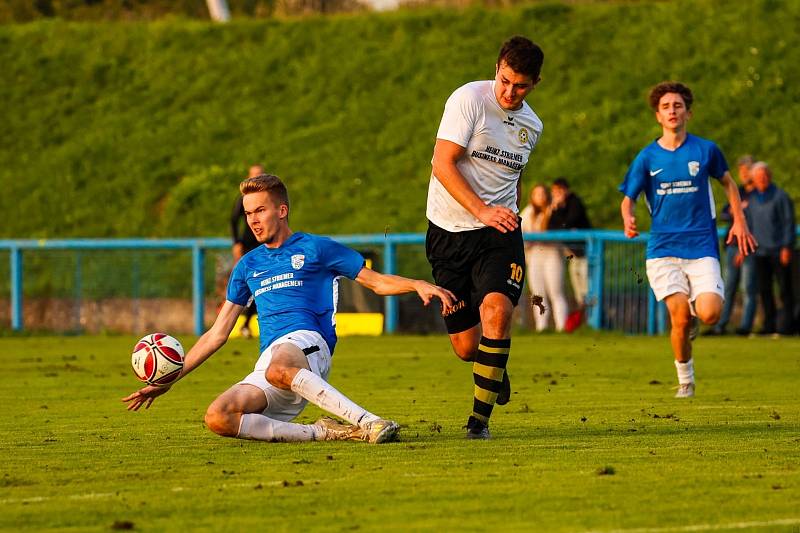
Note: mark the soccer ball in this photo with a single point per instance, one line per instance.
(157, 359)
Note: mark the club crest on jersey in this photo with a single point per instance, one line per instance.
(523, 135)
(298, 261)
(694, 168)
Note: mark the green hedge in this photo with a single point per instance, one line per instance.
(144, 129)
(28, 10)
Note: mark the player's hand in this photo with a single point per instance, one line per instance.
(739, 231)
(500, 218)
(629, 222)
(427, 291)
(786, 256)
(144, 396)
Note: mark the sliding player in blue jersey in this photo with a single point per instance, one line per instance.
(674, 173)
(293, 278)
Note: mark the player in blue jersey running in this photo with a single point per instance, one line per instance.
(293, 278)
(682, 253)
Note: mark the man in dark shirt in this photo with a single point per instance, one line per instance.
(568, 212)
(243, 242)
(772, 214)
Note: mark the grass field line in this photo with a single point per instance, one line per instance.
(706, 527)
(725, 406)
(106, 495)
(39, 499)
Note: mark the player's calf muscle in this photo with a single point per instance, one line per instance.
(465, 346)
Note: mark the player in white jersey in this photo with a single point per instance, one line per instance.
(474, 241)
(683, 253)
(293, 277)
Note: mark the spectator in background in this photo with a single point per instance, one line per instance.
(568, 212)
(772, 214)
(737, 266)
(243, 242)
(545, 261)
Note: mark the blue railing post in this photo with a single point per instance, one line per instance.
(389, 267)
(78, 288)
(16, 288)
(652, 309)
(662, 317)
(594, 251)
(198, 293)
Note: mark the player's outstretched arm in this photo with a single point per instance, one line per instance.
(739, 230)
(445, 156)
(208, 343)
(389, 284)
(628, 218)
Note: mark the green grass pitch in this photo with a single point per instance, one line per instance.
(591, 441)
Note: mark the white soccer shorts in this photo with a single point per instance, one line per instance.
(692, 277)
(282, 404)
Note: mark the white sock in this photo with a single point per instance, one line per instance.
(685, 371)
(260, 427)
(319, 392)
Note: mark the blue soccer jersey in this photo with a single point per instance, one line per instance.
(678, 191)
(295, 285)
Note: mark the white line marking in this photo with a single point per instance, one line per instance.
(705, 527)
(106, 495)
(93, 496)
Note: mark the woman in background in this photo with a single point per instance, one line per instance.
(545, 263)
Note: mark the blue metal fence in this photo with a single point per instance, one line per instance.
(613, 262)
(618, 297)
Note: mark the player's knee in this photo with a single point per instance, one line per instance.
(709, 309)
(709, 316)
(220, 420)
(278, 376)
(496, 314)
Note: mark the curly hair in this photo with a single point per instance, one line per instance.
(670, 87)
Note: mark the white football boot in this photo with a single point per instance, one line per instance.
(380, 431)
(335, 430)
(685, 390)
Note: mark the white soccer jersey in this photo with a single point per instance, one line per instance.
(498, 143)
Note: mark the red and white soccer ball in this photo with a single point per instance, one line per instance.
(157, 359)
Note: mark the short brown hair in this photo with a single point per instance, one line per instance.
(670, 87)
(268, 183)
(523, 56)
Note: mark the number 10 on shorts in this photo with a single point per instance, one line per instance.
(516, 272)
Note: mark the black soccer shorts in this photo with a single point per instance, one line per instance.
(472, 264)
